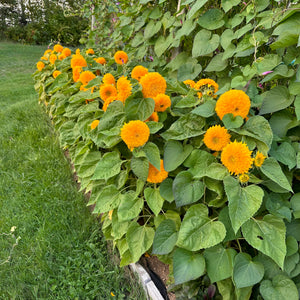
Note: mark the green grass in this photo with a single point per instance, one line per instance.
(62, 253)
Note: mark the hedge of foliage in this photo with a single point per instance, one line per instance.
(201, 172)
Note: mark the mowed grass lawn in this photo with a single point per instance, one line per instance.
(62, 253)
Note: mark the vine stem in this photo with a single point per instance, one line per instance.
(240, 248)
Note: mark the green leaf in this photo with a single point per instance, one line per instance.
(216, 171)
(151, 29)
(278, 207)
(295, 203)
(281, 287)
(297, 107)
(175, 154)
(246, 272)
(107, 199)
(268, 236)
(291, 245)
(285, 154)
(219, 262)
(207, 109)
(205, 43)
(195, 8)
(272, 170)
(154, 126)
(152, 153)
(139, 239)
(217, 64)
(187, 265)
(225, 219)
(276, 99)
(212, 19)
(139, 108)
(187, 27)
(186, 190)
(243, 202)
(108, 166)
(162, 44)
(228, 4)
(231, 122)
(198, 231)
(154, 200)
(140, 167)
(188, 71)
(187, 126)
(165, 237)
(130, 206)
(166, 191)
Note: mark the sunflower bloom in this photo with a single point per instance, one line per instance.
(44, 58)
(66, 52)
(156, 176)
(86, 76)
(235, 102)
(47, 51)
(236, 157)
(153, 84)
(56, 73)
(40, 65)
(107, 91)
(190, 83)
(100, 60)
(138, 72)
(94, 124)
(244, 178)
(76, 73)
(78, 61)
(61, 56)
(58, 48)
(108, 79)
(124, 88)
(52, 58)
(121, 57)
(153, 117)
(259, 159)
(216, 138)
(135, 134)
(162, 102)
(208, 83)
(90, 51)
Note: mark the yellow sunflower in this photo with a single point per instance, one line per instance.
(135, 134)
(86, 76)
(190, 83)
(236, 157)
(58, 48)
(44, 58)
(244, 178)
(66, 52)
(124, 88)
(138, 72)
(121, 57)
(107, 91)
(153, 117)
(61, 56)
(40, 65)
(76, 73)
(162, 102)
(78, 61)
(56, 73)
(94, 124)
(156, 176)
(52, 58)
(90, 51)
(108, 79)
(47, 51)
(216, 138)
(153, 84)
(259, 159)
(235, 102)
(100, 60)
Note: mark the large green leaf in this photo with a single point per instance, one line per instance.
(188, 71)
(154, 200)
(205, 43)
(175, 154)
(295, 203)
(185, 127)
(162, 44)
(107, 199)
(212, 19)
(165, 237)
(207, 109)
(268, 236)
(217, 64)
(196, 7)
(281, 287)
(139, 239)
(130, 206)
(186, 190)
(139, 108)
(272, 170)
(219, 262)
(152, 153)
(198, 231)
(246, 272)
(108, 166)
(285, 154)
(166, 189)
(140, 167)
(276, 99)
(187, 265)
(152, 28)
(243, 202)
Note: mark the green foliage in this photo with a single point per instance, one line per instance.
(213, 224)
